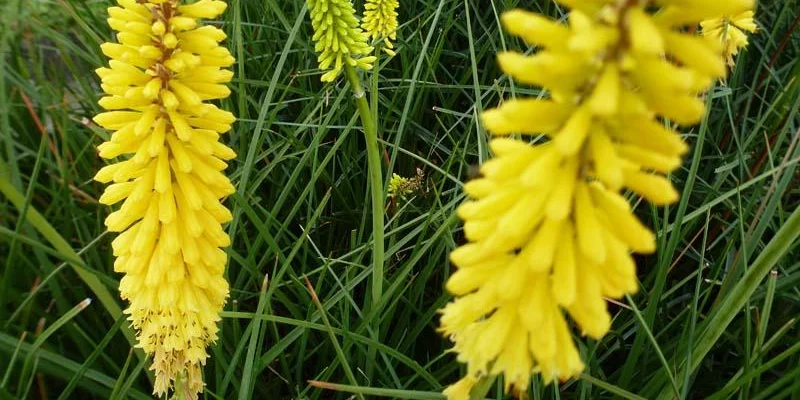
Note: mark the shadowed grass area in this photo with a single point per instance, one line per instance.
(302, 212)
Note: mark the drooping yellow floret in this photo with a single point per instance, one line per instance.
(169, 179)
(460, 389)
(339, 40)
(380, 22)
(549, 232)
(730, 30)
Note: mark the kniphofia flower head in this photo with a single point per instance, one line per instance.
(549, 232)
(730, 30)
(338, 37)
(167, 172)
(380, 22)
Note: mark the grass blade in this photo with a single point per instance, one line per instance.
(722, 317)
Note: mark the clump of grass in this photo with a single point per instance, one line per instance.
(299, 211)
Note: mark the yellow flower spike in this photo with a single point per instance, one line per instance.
(339, 39)
(730, 31)
(157, 83)
(549, 234)
(380, 22)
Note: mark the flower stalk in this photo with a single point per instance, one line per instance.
(342, 46)
(375, 182)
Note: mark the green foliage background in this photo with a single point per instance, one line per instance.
(302, 210)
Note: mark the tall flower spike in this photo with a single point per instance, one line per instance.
(163, 70)
(730, 30)
(549, 233)
(380, 22)
(338, 38)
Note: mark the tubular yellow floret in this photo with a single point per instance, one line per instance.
(338, 37)
(380, 22)
(161, 74)
(549, 233)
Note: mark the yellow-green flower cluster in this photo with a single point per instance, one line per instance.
(380, 22)
(169, 178)
(730, 30)
(339, 40)
(400, 186)
(549, 232)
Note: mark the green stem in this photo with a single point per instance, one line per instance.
(375, 183)
(373, 90)
(179, 390)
